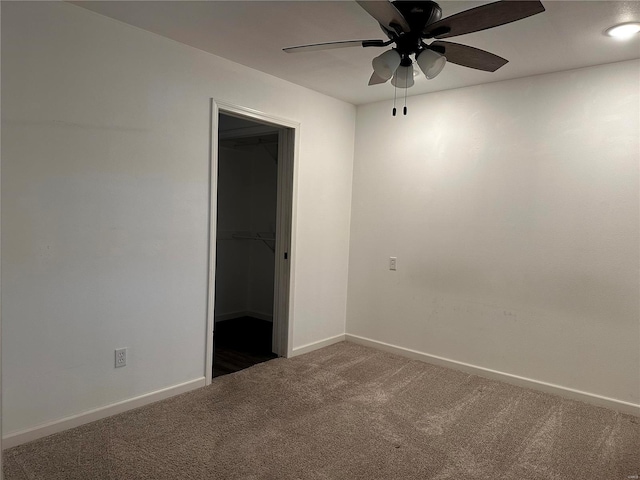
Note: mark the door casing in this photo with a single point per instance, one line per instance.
(288, 147)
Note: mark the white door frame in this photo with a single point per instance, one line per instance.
(288, 148)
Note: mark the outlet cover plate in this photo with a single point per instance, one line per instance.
(121, 357)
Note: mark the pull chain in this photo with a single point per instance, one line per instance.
(395, 89)
(406, 82)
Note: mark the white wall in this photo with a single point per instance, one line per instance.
(105, 206)
(513, 210)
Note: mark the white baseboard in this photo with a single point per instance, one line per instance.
(245, 313)
(591, 398)
(56, 426)
(310, 347)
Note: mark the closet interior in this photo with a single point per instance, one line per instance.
(245, 244)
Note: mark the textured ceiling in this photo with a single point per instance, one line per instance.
(568, 35)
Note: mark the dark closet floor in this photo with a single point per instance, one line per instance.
(241, 343)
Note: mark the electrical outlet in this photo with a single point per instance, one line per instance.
(392, 263)
(121, 357)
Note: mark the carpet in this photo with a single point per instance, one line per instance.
(344, 412)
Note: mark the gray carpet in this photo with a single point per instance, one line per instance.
(344, 412)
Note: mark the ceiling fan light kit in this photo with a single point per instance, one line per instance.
(403, 77)
(431, 63)
(385, 65)
(408, 23)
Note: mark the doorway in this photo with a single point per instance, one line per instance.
(250, 241)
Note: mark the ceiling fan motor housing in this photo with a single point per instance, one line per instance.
(418, 13)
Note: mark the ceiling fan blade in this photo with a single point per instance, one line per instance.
(385, 13)
(483, 17)
(469, 56)
(330, 45)
(376, 80)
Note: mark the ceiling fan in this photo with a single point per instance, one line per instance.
(407, 23)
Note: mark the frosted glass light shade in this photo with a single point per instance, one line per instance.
(403, 78)
(386, 64)
(431, 63)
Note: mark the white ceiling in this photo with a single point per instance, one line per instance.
(568, 35)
